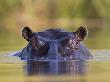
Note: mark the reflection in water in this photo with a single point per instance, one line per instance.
(52, 71)
(95, 70)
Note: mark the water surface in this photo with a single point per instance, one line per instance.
(96, 70)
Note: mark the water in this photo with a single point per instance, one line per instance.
(96, 70)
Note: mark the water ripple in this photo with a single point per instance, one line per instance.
(98, 55)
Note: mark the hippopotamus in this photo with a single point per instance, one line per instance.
(52, 46)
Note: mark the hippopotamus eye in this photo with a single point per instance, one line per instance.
(37, 43)
(64, 41)
(73, 43)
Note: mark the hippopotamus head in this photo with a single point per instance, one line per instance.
(56, 44)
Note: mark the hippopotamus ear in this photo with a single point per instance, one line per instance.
(27, 33)
(82, 32)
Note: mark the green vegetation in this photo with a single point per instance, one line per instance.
(65, 14)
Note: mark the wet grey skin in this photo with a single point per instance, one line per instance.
(55, 45)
